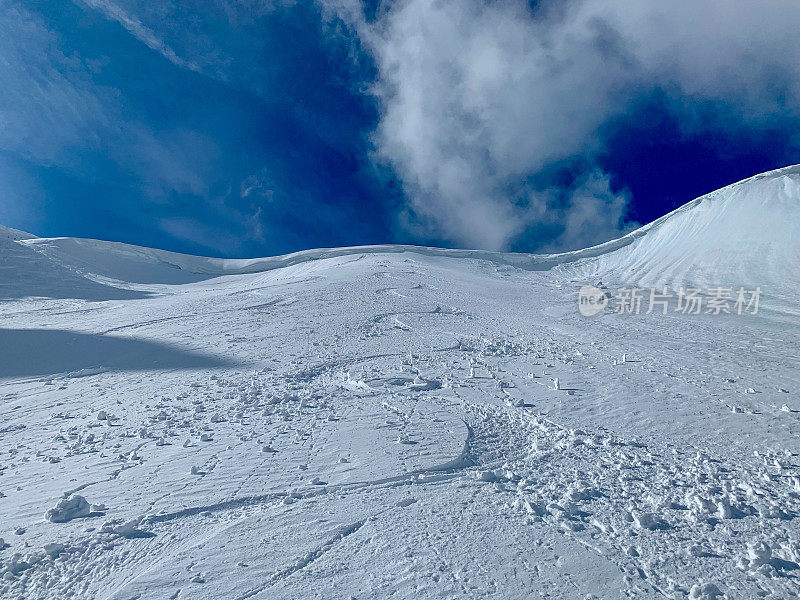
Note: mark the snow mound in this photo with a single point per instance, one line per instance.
(67, 509)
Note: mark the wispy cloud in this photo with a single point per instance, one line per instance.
(46, 102)
(135, 27)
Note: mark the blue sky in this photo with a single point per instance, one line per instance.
(263, 127)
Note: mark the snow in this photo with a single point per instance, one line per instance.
(67, 509)
(402, 421)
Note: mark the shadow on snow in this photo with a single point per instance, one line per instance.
(40, 352)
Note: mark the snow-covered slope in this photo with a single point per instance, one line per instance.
(403, 422)
(746, 234)
(26, 272)
(14, 234)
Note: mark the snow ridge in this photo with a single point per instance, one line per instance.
(745, 233)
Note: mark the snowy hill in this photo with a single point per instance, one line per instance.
(406, 422)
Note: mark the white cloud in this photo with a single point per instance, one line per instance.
(592, 215)
(476, 96)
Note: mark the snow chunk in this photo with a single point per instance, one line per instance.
(53, 550)
(67, 509)
(704, 591)
(127, 529)
(646, 520)
(758, 554)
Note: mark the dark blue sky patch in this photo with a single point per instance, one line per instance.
(667, 151)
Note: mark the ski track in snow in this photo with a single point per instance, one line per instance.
(309, 432)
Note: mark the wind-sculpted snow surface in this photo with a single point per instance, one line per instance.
(404, 422)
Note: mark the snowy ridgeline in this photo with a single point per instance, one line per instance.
(404, 422)
(743, 234)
